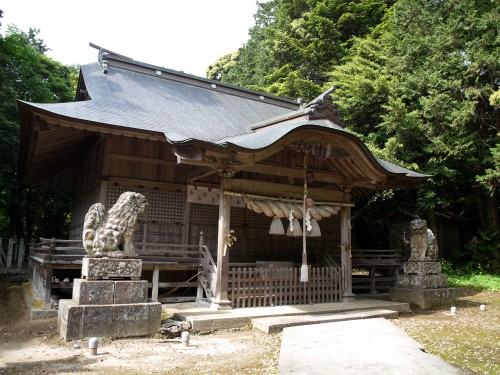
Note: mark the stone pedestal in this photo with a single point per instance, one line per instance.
(109, 307)
(422, 284)
(111, 268)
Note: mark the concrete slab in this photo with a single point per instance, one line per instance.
(277, 324)
(204, 319)
(371, 346)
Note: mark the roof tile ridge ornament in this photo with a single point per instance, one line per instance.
(323, 107)
(103, 61)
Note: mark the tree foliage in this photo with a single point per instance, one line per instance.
(26, 74)
(417, 80)
(445, 64)
(294, 44)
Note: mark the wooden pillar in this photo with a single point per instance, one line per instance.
(47, 285)
(199, 292)
(156, 280)
(220, 300)
(346, 258)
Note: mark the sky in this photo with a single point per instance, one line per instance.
(186, 35)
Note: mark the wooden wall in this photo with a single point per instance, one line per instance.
(87, 186)
(117, 164)
(254, 243)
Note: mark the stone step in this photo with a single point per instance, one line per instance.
(277, 323)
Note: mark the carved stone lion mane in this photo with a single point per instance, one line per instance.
(110, 234)
(423, 243)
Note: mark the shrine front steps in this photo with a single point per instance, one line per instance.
(278, 323)
(204, 319)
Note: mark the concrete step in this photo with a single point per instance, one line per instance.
(277, 323)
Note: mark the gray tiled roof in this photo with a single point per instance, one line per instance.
(179, 110)
(267, 136)
(264, 137)
(184, 112)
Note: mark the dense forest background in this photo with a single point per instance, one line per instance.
(417, 80)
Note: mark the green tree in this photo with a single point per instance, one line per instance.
(294, 44)
(222, 66)
(26, 74)
(252, 62)
(445, 61)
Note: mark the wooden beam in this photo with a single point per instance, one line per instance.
(280, 170)
(117, 130)
(199, 173)
(285, 191)
(141, 159)
(146, 183)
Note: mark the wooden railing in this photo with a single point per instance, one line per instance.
(208, 272)
(12, 253)
(158, 252)
(49, 248)
(268, 286)
(327, 260)
(369, 257)
(51, 253)
(382, 266)
(57, 250)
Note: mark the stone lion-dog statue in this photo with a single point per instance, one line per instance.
(423, 244)
(109, 234)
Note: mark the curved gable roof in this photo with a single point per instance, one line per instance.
(179, 110)
(139, 99)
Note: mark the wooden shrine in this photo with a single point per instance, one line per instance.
(232, 163)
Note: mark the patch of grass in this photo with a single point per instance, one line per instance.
(471, 276)
(489, 283)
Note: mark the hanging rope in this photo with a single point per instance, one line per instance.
(304, 269)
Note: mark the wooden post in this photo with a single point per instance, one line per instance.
(10, 249)
(221, 300)
(199, 291)
(47, 286)
(20, 254)
(156, 279)
(345, 239)
(1, 254)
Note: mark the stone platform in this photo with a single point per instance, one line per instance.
(107, 307)
(424, 298)
(423, 285)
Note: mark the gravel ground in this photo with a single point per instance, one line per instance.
(469, 339)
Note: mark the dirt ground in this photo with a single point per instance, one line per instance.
(34, 347)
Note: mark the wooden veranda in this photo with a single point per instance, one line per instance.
(251, 286)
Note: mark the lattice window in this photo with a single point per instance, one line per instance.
(204, 213)
(163, 205)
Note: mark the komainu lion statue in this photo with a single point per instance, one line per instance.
(423, 243)
(110, 234)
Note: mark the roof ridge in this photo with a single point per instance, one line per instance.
(107, 57)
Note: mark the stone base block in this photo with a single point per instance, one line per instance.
(103, 292)
(422, 281)
(110, 268)
(424, 298)
(422, 268)
(112, 321)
